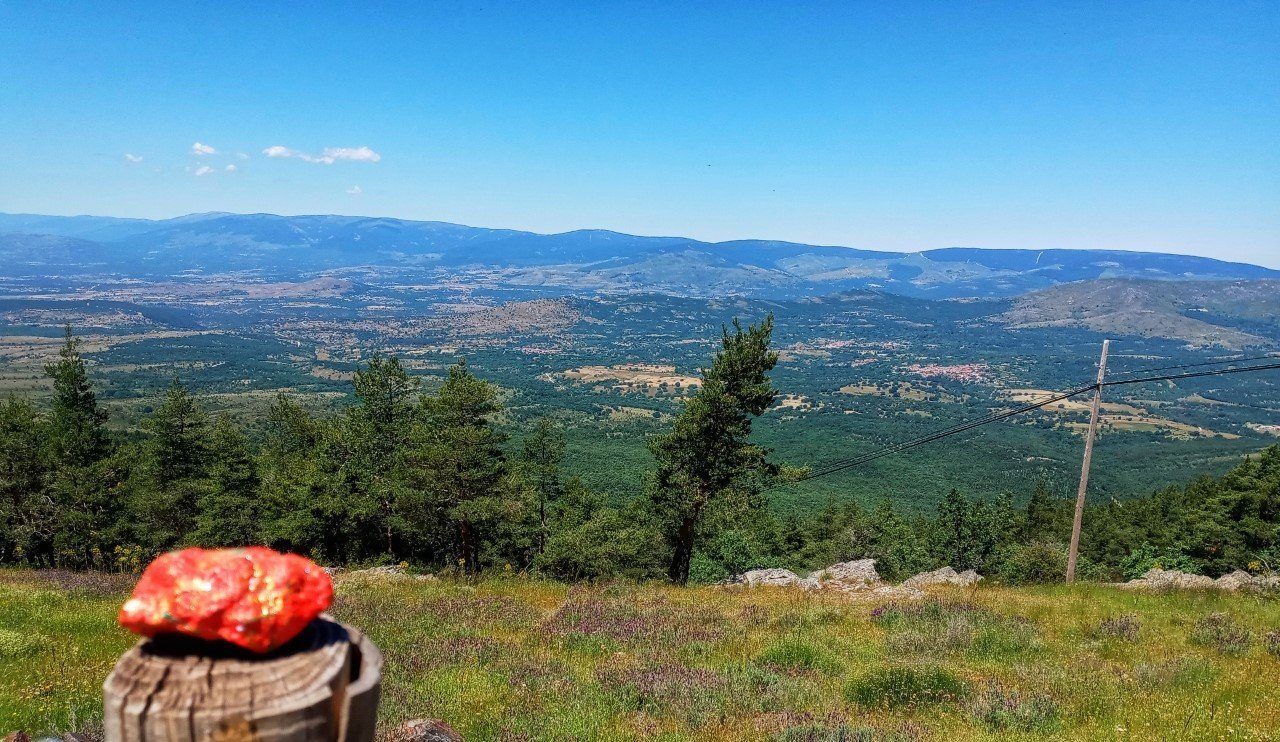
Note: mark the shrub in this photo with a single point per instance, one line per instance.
(999, 709)
(1125, 628)
(1273, 643)
(894, 687)
(795, 655)
(934, 627)
(1223, 633)
(1034, 563)
(1146, 557)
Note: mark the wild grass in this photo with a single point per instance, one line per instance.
(508, 658)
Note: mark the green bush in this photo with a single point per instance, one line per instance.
(905, 685)
(795, 655)
(1147, 557)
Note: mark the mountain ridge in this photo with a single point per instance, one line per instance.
(595, 259)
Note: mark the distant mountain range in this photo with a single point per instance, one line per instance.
(584, 260)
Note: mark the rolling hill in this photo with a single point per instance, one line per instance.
(1231, 314)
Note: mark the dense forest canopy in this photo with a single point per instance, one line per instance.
(429, 478)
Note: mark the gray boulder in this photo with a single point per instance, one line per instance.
(775, 576)
(944, 576)
(860, 572)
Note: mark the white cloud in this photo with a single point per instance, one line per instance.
(355, 154)
(203, 170)
(230, 168)
(328, 157)
(242, 156)
(354, 190)
(135, 159)
(200, 150)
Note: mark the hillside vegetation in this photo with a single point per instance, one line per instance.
(428, 477)
(1184, 310)
(513, 658)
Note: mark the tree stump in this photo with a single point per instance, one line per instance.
(322, 686)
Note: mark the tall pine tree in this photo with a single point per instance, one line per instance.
(460, 465)
(78, 443)
(707, 460)
(540, 459)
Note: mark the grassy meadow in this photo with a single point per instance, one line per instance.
(521, 659)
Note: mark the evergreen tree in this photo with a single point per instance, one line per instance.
(895, 543)
(27, 521)
(1043, 516)
(540, 459)
(590, 540)
(177, 466)
(707, 459)
(87, 515)
(460, 466)
(77, 426)
(230, 511)
(295, 481)
(370, 447)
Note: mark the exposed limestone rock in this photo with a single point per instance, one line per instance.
(773, 576)
(1235, 581)
(944, 576)
(851, 574)
(1171, 579)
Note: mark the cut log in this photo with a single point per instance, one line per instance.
(320, 687)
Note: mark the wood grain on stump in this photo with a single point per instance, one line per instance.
(322, 686)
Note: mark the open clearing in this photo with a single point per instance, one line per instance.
(643, 378)
(513, 658)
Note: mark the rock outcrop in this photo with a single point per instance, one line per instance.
(944, 576)
(1172, 579)
(851, 574)
(782, 577)
(857, 578)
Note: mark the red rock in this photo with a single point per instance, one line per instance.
(255, 598)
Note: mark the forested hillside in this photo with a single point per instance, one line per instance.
(432, 478)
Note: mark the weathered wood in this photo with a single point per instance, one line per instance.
(1074, 551)
(322, 686)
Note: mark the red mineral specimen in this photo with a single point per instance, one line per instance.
(256, 598)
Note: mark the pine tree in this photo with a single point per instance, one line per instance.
(296, 481)
(459, 463)
(540, 459)
(230, 511)
(707, 458)
(27, 520)
(77, 428)
(78, 443)
(177, 466)
(371, 445)
(1042, 516)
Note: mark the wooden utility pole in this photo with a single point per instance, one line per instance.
(1084, 466)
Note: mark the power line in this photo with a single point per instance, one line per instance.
(844, 464)
(1195, 365)
(1194, 374)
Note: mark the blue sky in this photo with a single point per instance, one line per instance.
(889, 125)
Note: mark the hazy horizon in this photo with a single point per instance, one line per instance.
(1146, 127)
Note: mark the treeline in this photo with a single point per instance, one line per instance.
(402, 475)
